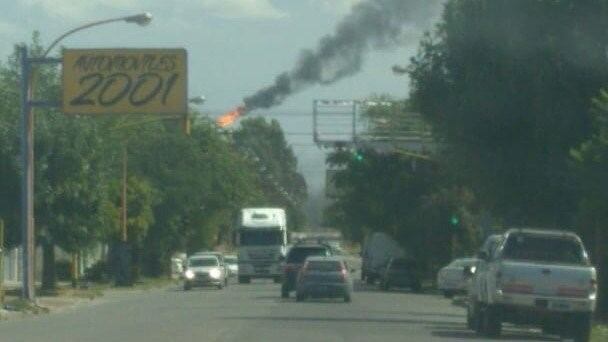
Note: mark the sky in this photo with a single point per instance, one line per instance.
(235, 47)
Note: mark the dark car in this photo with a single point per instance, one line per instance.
(295, 259)
(400, 273)
(324, 277)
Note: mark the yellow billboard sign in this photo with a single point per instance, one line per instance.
(125, 81)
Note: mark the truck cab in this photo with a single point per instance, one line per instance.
(261, 240)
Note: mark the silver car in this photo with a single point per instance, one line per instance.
(204, 270)
(324, 277)
(452, 279)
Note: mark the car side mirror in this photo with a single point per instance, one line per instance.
(483, 255)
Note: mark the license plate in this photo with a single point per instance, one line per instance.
(560, 305)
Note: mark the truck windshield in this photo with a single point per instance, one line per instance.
(261, 237)
(544, 249)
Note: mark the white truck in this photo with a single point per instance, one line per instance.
(261, 240)
(534, 277)
(378, 249)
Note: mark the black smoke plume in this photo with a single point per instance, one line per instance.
(372, 24)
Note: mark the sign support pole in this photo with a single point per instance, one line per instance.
(27, 183)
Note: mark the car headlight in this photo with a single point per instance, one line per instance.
(189, 274)
(215, 273)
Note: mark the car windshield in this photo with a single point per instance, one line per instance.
(324, 266)
(258, 237)
(297, 255)
(527, 247)
(202, 262)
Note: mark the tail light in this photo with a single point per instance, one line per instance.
(521, 288)
(571, 291)
(593, 288)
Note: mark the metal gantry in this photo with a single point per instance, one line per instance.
(382, 126)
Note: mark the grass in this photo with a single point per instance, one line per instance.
(153, 283)
(24, 306)
(600, 333)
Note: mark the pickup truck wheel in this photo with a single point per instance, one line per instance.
(580, 328)
(490, 320)
(473, 317)
(384, 285)
(417, 287)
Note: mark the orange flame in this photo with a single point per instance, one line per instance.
(230, 117)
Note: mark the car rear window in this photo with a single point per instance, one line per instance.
(201, 262)
(299, 254)
(324, 266)
(528, 247)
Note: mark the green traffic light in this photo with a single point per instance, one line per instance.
(454, 220)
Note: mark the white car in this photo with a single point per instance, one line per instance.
(233, 265)
(534, 277)
(452, 280)
(204, 270)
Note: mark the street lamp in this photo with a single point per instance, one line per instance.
(27, 141)
(198, 100)
(141, 19)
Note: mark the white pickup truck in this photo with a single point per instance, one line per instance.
(533, 277)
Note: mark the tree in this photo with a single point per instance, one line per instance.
(506, 84)
(265, 143)
(383, 192)
(591, 159)
(202, 181)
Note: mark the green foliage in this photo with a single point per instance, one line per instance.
(591, 162)
(414, 205)
(283, 186)
(507, 85)
(183, 191)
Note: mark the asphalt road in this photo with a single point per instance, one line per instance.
(254, 313)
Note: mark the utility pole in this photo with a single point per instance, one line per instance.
(27, 188)
(123, 197)
(1, 261)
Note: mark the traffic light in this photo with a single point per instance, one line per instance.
(454, 220)
(358, 156)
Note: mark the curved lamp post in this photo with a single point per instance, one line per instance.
(27, 142)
